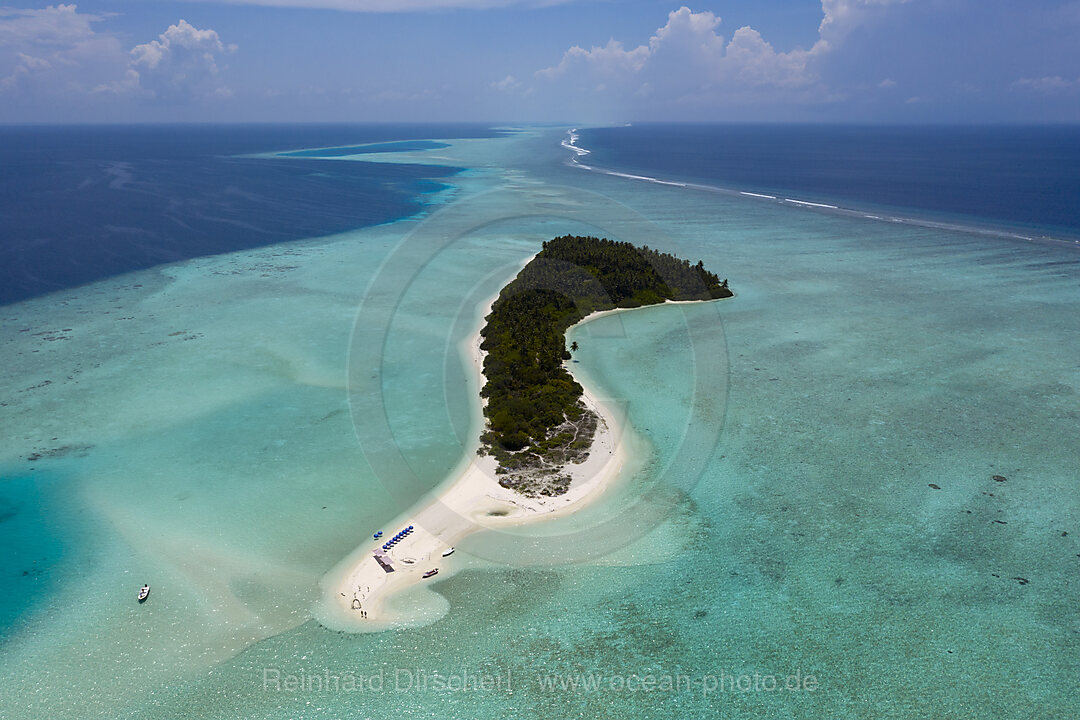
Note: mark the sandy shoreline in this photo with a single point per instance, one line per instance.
(355, 591)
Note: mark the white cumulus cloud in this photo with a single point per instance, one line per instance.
(55, 51)
(182, 62)
(55, 25)
(690, 62)
(56, 55)
(685, 56)
(754, 62)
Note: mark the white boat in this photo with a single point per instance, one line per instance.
(144, 592)
(447, 552)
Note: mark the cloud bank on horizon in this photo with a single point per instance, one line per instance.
(921, 60)
(60, 56)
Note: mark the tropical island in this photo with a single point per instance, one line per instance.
(536, 422)
(548, 446)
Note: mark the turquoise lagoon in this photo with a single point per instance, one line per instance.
(213, 428)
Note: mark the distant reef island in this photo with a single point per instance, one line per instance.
(537, 423)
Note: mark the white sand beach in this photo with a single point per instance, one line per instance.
(356, 590)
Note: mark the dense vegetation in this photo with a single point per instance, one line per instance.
(536, 420)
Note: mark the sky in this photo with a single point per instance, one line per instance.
(588, 61)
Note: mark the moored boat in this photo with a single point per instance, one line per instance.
(431, 573)
(144, 592)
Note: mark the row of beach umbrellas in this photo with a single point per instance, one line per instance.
(394, 540)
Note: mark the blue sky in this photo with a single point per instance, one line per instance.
(569, 60)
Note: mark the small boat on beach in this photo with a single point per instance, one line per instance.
(431, 573)
(144, 592)
(448, 552)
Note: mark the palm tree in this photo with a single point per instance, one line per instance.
(573, 346)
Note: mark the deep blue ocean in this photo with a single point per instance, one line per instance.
(1019, 178)
(78, 204)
